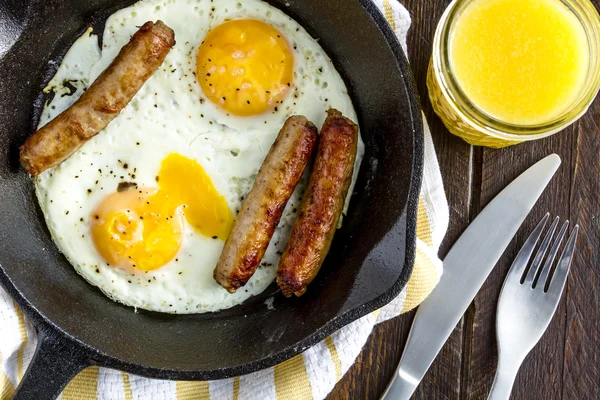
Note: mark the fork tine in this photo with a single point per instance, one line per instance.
(558, 280)
(541, 281)
(541, 253)
(522, 259)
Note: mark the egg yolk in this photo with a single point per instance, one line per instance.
(137, 228)
(205, 209)
(143, 227)
(245, 67)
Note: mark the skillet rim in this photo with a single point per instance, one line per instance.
(46, 328)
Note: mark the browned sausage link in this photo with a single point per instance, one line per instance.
(322, 206)
(262, 209)
(102, 102)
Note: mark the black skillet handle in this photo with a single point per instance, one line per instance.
(54, 364)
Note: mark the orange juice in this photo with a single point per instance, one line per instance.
(522, 62)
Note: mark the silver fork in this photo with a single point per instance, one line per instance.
(528, 301)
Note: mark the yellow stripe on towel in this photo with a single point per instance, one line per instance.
(291, 380)
(422, 281)
(6, 387)
(389, 14)
(24, 340)
(376, 313)
(84, 386)
(423, 225)
(335, 357)
(192, 390)
(127, 386)
(236, 388)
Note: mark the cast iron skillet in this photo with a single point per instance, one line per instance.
(369, 264)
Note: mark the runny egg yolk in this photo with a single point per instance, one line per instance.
(143, 227)
(137, 228)
(245, 66)
(204, 207)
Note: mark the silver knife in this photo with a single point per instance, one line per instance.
(466, 267)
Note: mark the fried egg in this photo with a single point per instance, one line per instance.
(142, 209)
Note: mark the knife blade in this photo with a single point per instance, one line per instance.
(466, 267)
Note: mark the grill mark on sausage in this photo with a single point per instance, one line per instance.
(322, 206)
(262, 209)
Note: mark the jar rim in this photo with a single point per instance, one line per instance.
(474, 116)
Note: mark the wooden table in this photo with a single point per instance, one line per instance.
(566, 362)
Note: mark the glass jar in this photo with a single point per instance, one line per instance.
(466, 120)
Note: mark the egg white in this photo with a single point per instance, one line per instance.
(170, 114)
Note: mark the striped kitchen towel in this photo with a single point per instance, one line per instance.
(311, 375)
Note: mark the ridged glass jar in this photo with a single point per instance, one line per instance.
(467, 121)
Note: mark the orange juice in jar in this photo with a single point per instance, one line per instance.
(507, 71)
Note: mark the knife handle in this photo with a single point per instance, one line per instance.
(401, 387)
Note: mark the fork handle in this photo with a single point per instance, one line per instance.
(506, 373)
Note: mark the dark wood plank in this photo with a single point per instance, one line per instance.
(581, 370)
(565, 362)
(377, 362)
(500, 167)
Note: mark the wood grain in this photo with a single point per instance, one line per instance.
(581, 368)
(566, 362)
(499, 169)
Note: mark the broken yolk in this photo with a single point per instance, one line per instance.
(245, 67)
(143, 227)
(205, 209)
